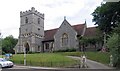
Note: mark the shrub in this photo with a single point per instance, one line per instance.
(113, 44)
(30, 52)
(66, 50)
(20, 53)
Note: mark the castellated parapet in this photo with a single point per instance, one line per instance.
(32, 11)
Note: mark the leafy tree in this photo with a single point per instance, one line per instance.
(114, 44)
(117, 30)
(85, 41)
(8, 44)
(106, 16)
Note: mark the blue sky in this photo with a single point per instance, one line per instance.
(76, 11)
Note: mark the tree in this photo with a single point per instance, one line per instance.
(8, 44)
(117, 31)
(114, 46)
(85, 41)
(106, 16)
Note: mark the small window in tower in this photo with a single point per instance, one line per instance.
(38, 20)
(38, 29)
(26, 20)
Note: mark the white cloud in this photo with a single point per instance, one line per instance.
(76, 12)
(65, 7)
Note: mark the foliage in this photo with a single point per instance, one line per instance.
(112, 42)
(71, 53)
(66, 50)
(93, 40)
(44, 59)
(117, 29)
(8, 44)
(113, 45)
(105, 14)
(107, 17)
(90, 40)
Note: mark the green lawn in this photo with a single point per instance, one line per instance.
(0, 56)
(99, 57)
(102, 57)
(45, 59)
(59, 59)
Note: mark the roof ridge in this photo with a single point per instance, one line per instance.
(78, 24)
(71, 25)
(51, 29)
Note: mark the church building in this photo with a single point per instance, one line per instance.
(33, 37)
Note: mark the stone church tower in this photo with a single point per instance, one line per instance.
(31, 31)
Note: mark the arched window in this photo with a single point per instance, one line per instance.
(26, 20)
(64, 40)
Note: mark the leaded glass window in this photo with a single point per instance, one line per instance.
(64, 40)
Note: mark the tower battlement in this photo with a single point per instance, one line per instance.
(32, 11)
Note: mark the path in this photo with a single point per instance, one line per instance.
(93, 64)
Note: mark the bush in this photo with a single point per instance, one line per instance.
(20, 53)
(30, 52)
(3, 53)
(66, 50)
(113, 44)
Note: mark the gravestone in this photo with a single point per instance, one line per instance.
(111, 61)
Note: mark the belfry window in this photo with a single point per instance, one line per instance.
(64, 40)
(26, 20)
(38, 20)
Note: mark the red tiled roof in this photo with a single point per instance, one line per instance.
(79, 28)
(91, 31)
(49, 34)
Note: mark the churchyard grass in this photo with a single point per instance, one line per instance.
(59, 59)
(0, 56)
(45, 60)
(102, 57)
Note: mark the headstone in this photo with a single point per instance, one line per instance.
(111, 60)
